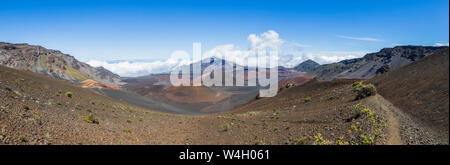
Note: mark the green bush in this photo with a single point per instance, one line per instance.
(69, 94)
(78, 106)
(364, 91)
(90, 119)
(23, 139)
(8, 88)
(26, 107)
(308, 99)
(357, 85)
(226, 126)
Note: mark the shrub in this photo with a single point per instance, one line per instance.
(319, 140)
(26, 107)
(308, 99)
(90, 119)
(128, 120)
(69, 94)
(23, 139)
(357, 85)
(37, 118)
(226, 126)
(8, 88)
(364, 91)
(78, 106)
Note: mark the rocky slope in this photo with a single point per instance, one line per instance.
(53, 63)
(421, 89)
(374, 63)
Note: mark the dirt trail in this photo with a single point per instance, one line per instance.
(393, 123)
(401, 128)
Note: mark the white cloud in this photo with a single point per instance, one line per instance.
(360, 38)
(441, 44)
(269, 39)
(325, 57)
(132, 69)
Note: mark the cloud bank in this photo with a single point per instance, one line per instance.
(290, 54)
(134, 69)
(441, 44)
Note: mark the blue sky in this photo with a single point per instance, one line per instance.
(125, 30)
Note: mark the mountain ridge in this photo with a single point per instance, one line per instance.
(374, 63)
(53, 63)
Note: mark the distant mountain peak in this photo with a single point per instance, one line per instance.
(307, 66)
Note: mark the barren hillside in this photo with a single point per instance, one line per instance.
(421, 90)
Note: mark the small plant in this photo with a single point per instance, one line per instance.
(13, 96)
(3, 109)
(69, 94)
(319, 140)
(77, 106)
(364, 140)
(330, 97)
(8, 88)
(130, 109)
(90, 119)
(26, 107)
(37, 117)
(377, 132)
(126, 131)
(129, 121)
(308, 99)
(340, 141)
(357, 85)
(23, 139)
(226, 126)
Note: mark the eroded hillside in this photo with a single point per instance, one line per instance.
(52, 63)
